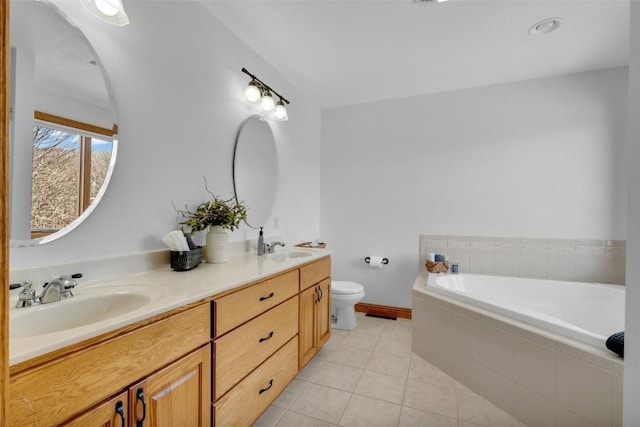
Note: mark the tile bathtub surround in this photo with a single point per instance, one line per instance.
(541, 380)
(599, 261)
(370, 377)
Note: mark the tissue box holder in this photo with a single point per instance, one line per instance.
(186, 260)
(437, 267)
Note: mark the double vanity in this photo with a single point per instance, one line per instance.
(211, 346)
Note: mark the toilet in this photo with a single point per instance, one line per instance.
(344, 296)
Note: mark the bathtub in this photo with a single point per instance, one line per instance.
(586, 312)
(534, 348)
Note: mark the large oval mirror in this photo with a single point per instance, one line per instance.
(62, 129)
(255, 169)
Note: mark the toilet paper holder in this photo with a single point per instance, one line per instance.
(384, 260)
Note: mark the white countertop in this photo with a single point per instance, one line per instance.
(172, 290)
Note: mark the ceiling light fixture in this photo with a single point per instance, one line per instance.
(110, 11)
(545, 26)
(258, 92)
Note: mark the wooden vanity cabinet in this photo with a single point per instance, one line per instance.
(178, 395)
(314, 321)
(112, 413)
(169, 358)
(255, 347)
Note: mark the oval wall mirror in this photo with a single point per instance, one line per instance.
(62, 132)
(255, 169)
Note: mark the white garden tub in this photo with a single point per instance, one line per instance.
(535, 348)
(586, 312)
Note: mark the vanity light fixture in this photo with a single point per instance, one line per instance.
(110, 11)
(258, 92)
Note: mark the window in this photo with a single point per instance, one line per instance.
(69, 168)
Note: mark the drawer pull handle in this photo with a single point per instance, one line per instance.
(268, 337)
(120, 411)
(270, 296)
(140, 396)
(321, 293)
(262, 390)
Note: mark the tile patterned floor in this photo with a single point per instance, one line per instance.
(369, 377)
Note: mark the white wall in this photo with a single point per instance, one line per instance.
(21, 140)
(632, 329)
(539, 158)
(176, 79)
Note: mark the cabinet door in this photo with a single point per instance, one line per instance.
(323, 308)
(178, 395)
(112, 413)
(307, 326)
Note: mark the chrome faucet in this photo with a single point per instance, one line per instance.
(56, 290)
(269, 248)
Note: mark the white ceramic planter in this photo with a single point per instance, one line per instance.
(217, 242)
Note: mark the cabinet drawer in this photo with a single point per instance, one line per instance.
(236, 308)
(246, 401)
(240, 351)
(314, 273)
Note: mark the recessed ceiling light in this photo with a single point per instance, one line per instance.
(545, 26)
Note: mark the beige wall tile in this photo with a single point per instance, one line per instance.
(496, 388)
(466, 370)
(495, 350)
(481, 260)
(533, 259)
(475, 409)
(585, 389)
(464, 334)
(534, 367)
(507, 258)
(532, 409)
(565, 418)
(617, 401)
(598, 357)
(561, 265)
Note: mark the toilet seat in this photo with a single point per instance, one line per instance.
(345, 288)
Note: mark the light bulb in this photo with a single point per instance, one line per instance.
(110, 11)
(267, 103)
(106, 7)
(280, 112)
(252, 93)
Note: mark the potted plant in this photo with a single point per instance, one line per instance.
(217, 216)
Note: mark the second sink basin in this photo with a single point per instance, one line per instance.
(88, 306)
(289, 254)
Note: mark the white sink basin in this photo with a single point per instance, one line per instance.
(289, 254)
(88, 306)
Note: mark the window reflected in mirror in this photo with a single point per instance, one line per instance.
(69, 169)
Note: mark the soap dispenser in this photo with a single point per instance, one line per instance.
(260, 243)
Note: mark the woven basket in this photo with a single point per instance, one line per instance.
(186, 260)
(437, 267)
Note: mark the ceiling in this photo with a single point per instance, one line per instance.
(65, 63)
(344, 52)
